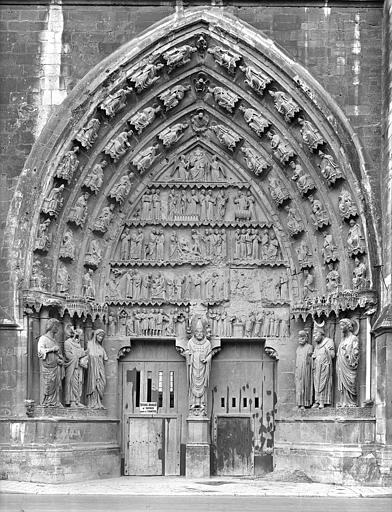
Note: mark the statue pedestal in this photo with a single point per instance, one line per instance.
(198, 447)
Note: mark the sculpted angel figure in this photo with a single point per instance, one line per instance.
(89, 133)
(178, 56)
(172, 134)
(54, 201)
(329, 169)
(117, 147)
(78, 213)
(225, 98)
(285, 105)
(115, 102)
(94, 178)
(146, 76)
(226, 136)
(310, 134)
(103, 220)
(67, 249)
(303, 181)
(225, 58)
(255, 79)
(68, 165)
(282, 150)
(145, 158)
(145, 117)
(255, 120)
(172, 97)
(43, 240)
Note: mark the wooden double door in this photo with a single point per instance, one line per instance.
(154, 408)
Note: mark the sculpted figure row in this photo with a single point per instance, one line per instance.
(314, 368)
(71, 366)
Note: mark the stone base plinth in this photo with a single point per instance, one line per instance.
(337, 447)
(59, 450)
(198, 448)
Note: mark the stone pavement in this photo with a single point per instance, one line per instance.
(181, 486)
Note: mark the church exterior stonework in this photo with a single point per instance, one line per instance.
(197, 264)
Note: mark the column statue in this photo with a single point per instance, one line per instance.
(96, 378)
(323, 354)
(52, 364)
(347, 364)
(76, 361)
(303, 371)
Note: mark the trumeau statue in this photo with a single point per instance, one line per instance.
(76, 361)
(198, 358)
(303, 180)
(285, 105)
(53, 203)
(102, 222)
(172, 134)
(63, 279)
(94, 178)
(329, 169)
(43, 240)
(120, 190)
(78, 213)
(347, 207)
(360, 281)
(323, 355)
(254, 160)
(347, 361)
(303, 372)
(88, 135)
(178, 56)
(225, 98)
(117, 147)
(145, 158)
(68, 165)
(144, 118)
(115, 102)
(96, 377)
(52, 364)
(67, 249)
(282, 150)
(225, 58)
(278, 191)
(255, 79)
(226, 136)
(255, 120)
(355, 239)
(146, 75)
(172, 97)
(310, 135)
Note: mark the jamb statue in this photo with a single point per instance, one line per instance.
(323, 354)
(76, 361)
(96, 378)
(347, 361)
(303, 371)
(52, 364)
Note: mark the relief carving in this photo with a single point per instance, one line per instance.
(88, 134)
(200, 122)
(94, 254)
(172, 134)
(310, 135)
(68, 165)
(117, 147)
(120, 190)
(254, 160)
(285, 105)
(255, 120)
(144, 160)
(201, 43)
(304, 182)
(144, 118)
(252, 245)
(281, 149)
(43, 240)
(226, 136)
(224, 98)
(150, 322)
(178, 56)
(78, 213)
(172, 97)
(319, 216)
(115, 102)
(278, 191)
(304, 255)
(303, 372)
(244, 206)
(63, 279)
(347, 361)
(94, 178)
(323, 355)
(225, 58)
(293, 221)
(103, 221)
(329, 168)
(146, 76)
(355, 239)
(53, 203)
(347, 207)
(330, 250)
(67, 249)
(255, 79)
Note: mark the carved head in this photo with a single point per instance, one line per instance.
(198, 329)
(302, 337)
(52, 325)
(99, 335)
(345, 325)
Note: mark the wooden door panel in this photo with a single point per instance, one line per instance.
(144, 454)
(234, 444)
